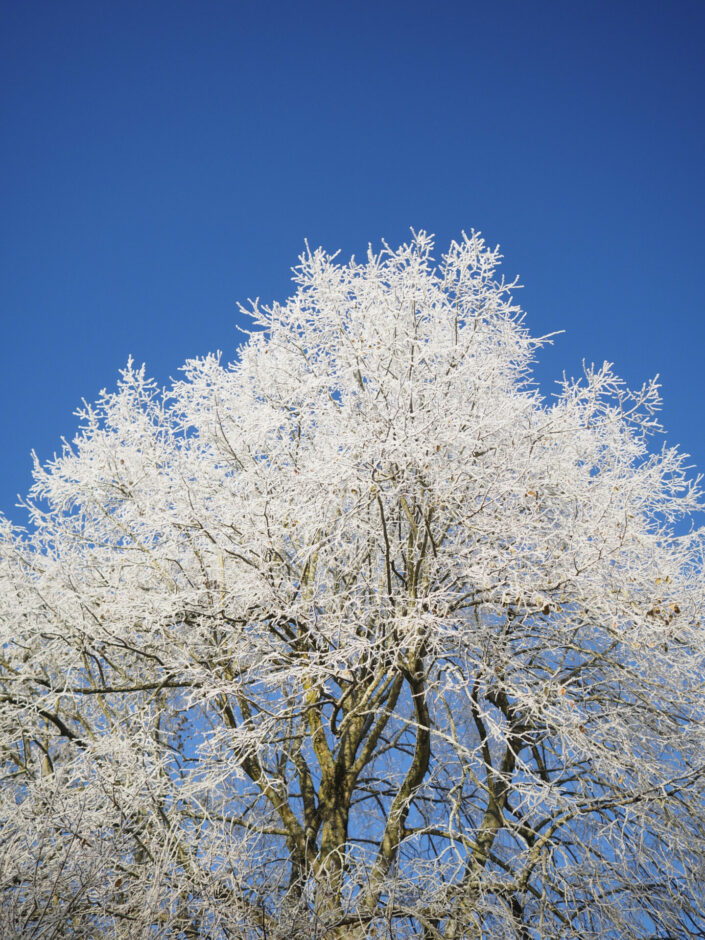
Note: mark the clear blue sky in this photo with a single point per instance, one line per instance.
(163, 160)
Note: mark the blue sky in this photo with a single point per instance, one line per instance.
(161, 161)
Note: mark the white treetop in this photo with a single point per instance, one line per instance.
(358, 637)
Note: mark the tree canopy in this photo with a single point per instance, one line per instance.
(358, 636)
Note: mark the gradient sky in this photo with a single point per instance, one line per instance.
(163, 160)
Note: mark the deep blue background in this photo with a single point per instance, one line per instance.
(163, 160)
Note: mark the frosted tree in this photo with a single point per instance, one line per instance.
(358, 637)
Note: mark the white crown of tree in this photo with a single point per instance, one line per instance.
(358, 637)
